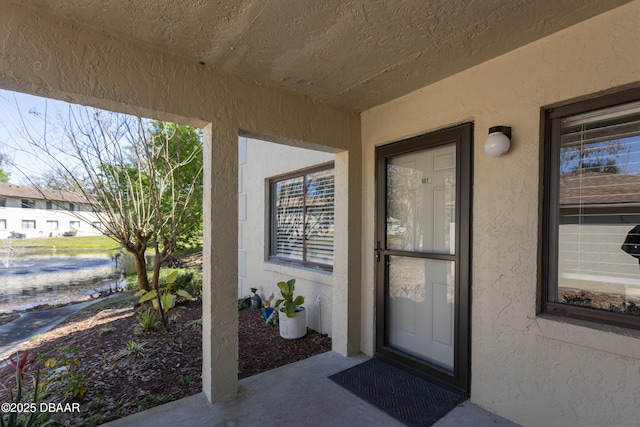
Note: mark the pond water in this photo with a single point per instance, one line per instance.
(29, 280)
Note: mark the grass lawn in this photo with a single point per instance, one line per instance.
(63, 243)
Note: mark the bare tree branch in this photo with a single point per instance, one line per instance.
(129, 176)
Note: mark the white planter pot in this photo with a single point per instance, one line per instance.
(154, 301)
(173, 302)
(295, 327)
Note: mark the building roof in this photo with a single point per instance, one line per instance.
(24, 192)
(599, 188)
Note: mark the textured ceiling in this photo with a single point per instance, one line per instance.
(356, 54)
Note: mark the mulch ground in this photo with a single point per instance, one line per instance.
(169, 367)
(262, 348)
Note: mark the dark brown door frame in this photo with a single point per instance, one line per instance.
(460, 378)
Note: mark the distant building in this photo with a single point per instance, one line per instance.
(30, 212)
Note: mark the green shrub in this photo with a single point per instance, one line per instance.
(64, 377)
(133, 348)
(189, 279)
(147, 320)
(196, 323)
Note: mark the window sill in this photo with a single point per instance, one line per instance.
(299, 271)
(592, 316)
(301, 264)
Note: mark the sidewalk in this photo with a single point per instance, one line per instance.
(30, 324)
(299, 394)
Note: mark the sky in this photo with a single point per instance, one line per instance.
(16, 113)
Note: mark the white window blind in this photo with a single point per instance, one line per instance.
(599, 197)
(289, 240)
(319, 217)
(303, 223)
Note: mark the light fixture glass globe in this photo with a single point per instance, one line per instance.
(497, 144)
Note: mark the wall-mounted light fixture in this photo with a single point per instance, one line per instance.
(498, 141)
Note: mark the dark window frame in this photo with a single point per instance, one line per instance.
(28, 204)
(551, 218)
(272, 226)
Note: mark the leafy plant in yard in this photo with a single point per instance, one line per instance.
(163, 301)
(273, 318)
(189, 279)
(24, 418)
(196, 323)
(146, 320)
(64, 378)
(21, 364)
(106, 330)
(186, 380)
(133, 348)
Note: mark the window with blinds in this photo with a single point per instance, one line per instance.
(302, 218)
(592, 210)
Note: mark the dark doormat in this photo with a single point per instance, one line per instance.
(404, 396)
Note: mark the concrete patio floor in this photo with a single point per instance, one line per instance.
(299, 394)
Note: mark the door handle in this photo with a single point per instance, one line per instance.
(378, 251)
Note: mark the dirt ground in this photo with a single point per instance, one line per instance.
(168, 367)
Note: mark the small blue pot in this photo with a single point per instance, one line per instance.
(266, 312)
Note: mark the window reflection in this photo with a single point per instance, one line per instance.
(599, 207)
(421, 201)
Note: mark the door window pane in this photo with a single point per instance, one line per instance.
(421, 194)
(421, 308)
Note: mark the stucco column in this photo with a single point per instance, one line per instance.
(220, 263)
(346, 313)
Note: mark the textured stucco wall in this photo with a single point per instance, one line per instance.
(265, 160)
(49, 57)
(535, 371)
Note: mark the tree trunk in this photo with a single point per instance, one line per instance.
(141, 271)
(156, 279)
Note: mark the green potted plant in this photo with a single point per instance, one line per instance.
(292, 316)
